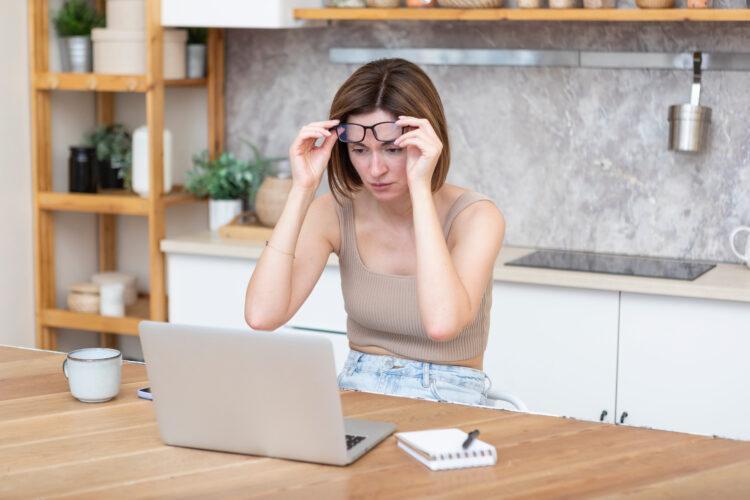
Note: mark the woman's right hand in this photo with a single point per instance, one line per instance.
(308, 161)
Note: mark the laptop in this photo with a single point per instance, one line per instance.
(258, 393)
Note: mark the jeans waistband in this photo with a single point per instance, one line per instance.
(361, 361)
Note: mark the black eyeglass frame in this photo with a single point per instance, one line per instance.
(370, 127)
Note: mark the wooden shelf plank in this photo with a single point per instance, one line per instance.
(105, 83)
(187, 82)
(126, 325)
(444, 14)
(111, 202)
(124, 204)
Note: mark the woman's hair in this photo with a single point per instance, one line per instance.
(393, 85)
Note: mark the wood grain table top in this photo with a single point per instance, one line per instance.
(52, 445)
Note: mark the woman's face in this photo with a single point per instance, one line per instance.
(380, 165)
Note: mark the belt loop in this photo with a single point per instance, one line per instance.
(487, 384)
(353, 366)
(425, 374)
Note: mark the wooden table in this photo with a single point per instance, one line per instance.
(53, 445)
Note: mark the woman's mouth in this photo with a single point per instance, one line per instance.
(380, 186)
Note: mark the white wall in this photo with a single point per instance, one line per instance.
(73, 115)
(16, 248)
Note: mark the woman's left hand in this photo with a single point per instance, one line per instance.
(423, 148)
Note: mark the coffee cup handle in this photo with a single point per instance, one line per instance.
(731, 242)
(65, 367)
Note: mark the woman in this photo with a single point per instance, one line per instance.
(416, 255)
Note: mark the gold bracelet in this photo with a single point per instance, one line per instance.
(280, 251)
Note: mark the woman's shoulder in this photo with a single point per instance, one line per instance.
(324, 215)
(473, 211)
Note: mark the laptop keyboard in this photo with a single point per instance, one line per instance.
(351, 441)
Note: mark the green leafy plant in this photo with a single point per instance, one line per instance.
(77, 18)
(114, 144)
(224, 178)
(197, 35)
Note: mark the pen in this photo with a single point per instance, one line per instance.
(470, 437)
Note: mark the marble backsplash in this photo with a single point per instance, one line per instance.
(575, 158)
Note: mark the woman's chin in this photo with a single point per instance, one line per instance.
(385, 193)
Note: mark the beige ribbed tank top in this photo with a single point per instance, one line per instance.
(382, 309)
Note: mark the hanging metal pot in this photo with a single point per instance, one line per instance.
(688, 123)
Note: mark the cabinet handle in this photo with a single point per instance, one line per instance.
(623, 417)
(601, 417)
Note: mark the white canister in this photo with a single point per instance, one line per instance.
(221, 212)
(111, 299)
(130, 294)
(140, 171)
(93, 374)
(126, 15)
(124, 52)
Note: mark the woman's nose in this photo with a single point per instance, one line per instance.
(377, 165)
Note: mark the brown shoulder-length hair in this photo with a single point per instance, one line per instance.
(393, 85)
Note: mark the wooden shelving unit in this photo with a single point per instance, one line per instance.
(108, 205)
(441, 14)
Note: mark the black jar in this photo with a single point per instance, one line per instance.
(109, 176)
(82, 169)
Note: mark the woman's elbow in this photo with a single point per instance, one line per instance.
(259, 321)
(442, 333)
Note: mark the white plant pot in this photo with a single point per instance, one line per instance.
(124, 52)
(126, 15)
(221, 212)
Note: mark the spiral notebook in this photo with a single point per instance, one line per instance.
(441, 449)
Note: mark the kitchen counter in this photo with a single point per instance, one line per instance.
(53, 445)
(724, 282)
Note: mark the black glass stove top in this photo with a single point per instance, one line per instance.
(651, 267)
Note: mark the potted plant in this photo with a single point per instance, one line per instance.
(226, 180)
(196, 52)
(113, 145)
(74, 22)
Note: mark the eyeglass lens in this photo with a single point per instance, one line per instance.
(353, 132)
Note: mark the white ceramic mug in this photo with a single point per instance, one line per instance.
(744, 255)
(93, 373)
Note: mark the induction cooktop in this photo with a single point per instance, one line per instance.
(650, 267)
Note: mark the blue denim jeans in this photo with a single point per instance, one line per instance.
(415, 379)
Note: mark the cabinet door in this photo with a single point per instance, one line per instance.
(684, 365)
(555, 348)
(207, 291)
(210, 291)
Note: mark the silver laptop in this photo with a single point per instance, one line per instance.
(257, 393)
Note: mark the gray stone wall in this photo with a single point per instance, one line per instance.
(575, 158)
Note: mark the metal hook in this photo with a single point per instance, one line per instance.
(695, 91)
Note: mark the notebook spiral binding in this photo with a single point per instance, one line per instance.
(465, 454)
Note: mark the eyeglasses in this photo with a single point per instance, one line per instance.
(354, 132)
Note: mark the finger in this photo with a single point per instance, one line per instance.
(305, 141)
(328, 143)
(408, 135)
(313, 127)
(324, 124)
(419, 123)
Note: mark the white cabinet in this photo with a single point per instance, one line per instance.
(555, 348)
(684, 365)
(233, 13)
(210, 291)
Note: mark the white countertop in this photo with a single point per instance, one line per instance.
(724, 282)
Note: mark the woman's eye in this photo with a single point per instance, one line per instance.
(358, 150)
(394, 150)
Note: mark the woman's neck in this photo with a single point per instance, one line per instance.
(396, 212)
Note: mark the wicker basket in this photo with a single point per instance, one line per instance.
(470, 4)
(84, 298)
